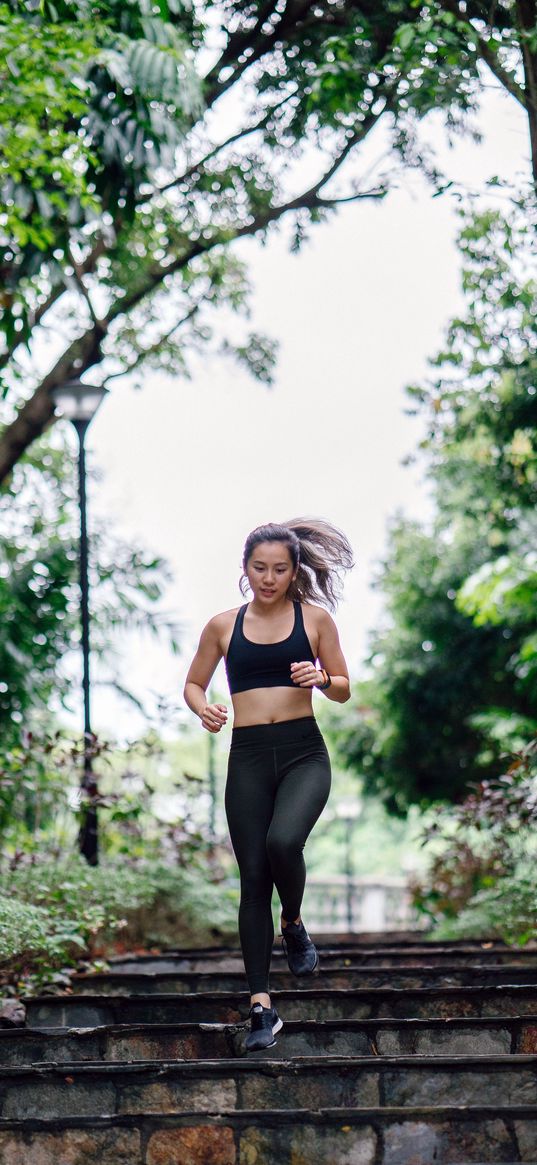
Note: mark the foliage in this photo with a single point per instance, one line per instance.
(26, 929)
(504, 592)
(481, 408)
(43, 158)
(55, 911)
(33, 788)
(159, 880)
(454, 665)
(41, 800)
(416, 736)
(87, 88)
(39, 600)
(506, 910)
(133, 276)
(480, 882)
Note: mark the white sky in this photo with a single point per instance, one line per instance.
(188, 468)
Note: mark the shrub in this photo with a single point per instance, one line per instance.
(507, 911)
(480, 883)
(56, 912)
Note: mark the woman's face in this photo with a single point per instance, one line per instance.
(270, 571)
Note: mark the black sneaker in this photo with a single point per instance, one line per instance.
(264, 1023)
(301, 952)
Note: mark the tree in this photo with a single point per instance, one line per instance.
(418, 735)
(453, 672)
(481, 409)
(482, 426)
(131, 276)
(503, 37)
(39, 602)
(43, 159)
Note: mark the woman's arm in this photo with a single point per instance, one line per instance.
(331, 657)
(200, 672)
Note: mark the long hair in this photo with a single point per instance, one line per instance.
(321, 552)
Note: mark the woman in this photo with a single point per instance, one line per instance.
(279, 776)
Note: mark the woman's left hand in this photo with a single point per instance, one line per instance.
(305, 675)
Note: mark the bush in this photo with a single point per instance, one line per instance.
(25, 930)
(481, 883)
(507, 911)
(56, 912)
(158, 883)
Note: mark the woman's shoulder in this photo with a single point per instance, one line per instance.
(221, 621)
(315, 612)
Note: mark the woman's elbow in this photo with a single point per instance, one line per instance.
(188, 692)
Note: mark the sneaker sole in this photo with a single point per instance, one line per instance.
(261, 1048)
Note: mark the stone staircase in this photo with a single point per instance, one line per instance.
(398, 1052)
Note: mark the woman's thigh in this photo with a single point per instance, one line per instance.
(302, 794)
(249, 804)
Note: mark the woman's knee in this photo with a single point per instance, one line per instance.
(256, 885)
(283, 846)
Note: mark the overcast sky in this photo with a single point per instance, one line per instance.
(188, 468)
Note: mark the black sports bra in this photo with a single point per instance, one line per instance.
(265, 665)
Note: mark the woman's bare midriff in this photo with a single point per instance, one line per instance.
(270, 705)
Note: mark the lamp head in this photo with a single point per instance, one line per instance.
(78, 401)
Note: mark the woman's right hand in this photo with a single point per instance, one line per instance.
(213, 717)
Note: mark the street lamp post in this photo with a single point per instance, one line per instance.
(78, 403)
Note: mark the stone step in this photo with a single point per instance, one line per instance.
(191, 1041)
(150, 982)
(311, 1003)
(378, 940)
(226, 960)
(228, 1085)
(472, 1135)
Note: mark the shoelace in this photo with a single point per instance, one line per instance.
(262, 1017)
(300, 939)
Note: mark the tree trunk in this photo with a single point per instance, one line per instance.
(38, 413)
(527, 19)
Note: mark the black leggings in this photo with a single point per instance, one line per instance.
(278, 781)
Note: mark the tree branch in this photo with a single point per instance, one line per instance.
(157, 345)
(307, 200)
(58, 290)
(241, 133)
(378, 193)
(79, 278)
(295, 10)
(37, 413)
(527, 18)
(487, 54)
(253, 39)
(101, 246)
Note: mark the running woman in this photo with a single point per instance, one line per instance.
(279, 776)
